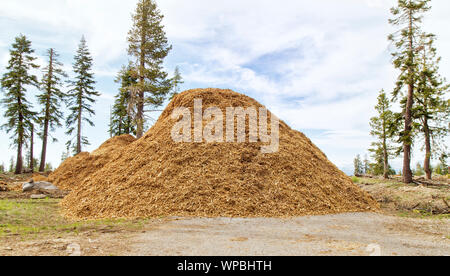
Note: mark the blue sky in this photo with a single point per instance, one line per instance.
(318, 65)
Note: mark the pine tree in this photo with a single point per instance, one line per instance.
(407, 17)
(419, 171)
(50, 100)
(442, 167)
(48, 167)
(65, 154)
(358, 166)
(14, 83)
(383, 127)
(432, 109)
(121, 114)
(177, 80)
(366, 165)
(12, 167)
(81, 97)
(148, 45)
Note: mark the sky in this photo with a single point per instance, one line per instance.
(317, 65)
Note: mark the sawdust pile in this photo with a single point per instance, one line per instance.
(37, 177)
(75, 169)
(157, 177)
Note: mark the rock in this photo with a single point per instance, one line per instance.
(45, 186)
(42, 186)
(27, 187)
(38, 196)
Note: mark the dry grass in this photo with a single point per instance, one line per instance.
(409, 199)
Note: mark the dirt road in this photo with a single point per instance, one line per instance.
(345, 234)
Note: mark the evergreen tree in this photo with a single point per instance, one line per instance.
(377, 168)
(419, 171)
(358, 166)
(442, 168)
(81, 97)
(2, 168)
(148, 45)
(14, 83)
(177, 81)
(366, 165)
(65, 154)
(50, 100)
(12, 167)
(407, 17)
(121, 114)
(48, 167)
(432, 109)
(383, 127)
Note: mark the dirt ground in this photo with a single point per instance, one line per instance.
(413, 221)
(352, 234)
(344, 234)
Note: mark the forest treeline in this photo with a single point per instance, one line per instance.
(421, 95)
(144, 86)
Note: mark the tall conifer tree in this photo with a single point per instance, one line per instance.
(407, 16)
(148, 46)
(432, 108)
(50, 100)
(121, 114)
(383, 127)
(14, 83)
(81, 97)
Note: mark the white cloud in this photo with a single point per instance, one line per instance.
(337, 61)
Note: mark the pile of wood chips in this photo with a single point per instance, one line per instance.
(74, 170)
(156, 176)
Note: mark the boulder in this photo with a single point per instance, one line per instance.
(41, 186)
(27, 187)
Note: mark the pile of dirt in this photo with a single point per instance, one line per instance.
(37, 177)
(75, 169)
(156, 176)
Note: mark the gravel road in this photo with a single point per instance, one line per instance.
(344, 234)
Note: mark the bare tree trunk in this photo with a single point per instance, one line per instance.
(44, 147)
(141, 94)
(407, 173)
(385, 150)
(19, 162)
(80, 107)
(140, 116)
(47, 115)
(385, 160)
(427, 161)
(32, 149)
